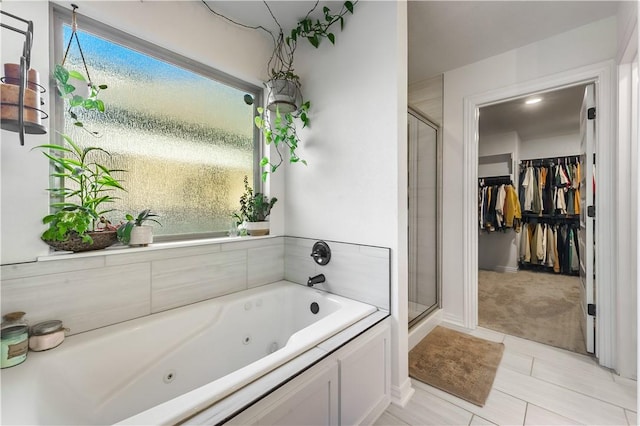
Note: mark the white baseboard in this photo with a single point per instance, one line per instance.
(424, 327)
(452, 319)
(376, 412)
(400, 395)
(508, 269)
(454, 325)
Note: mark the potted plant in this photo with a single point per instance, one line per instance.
(85, 184)
(78, 223)
(285, 105)
(134, 233)
(254, 211)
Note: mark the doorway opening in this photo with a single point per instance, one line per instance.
(532, 245)
(602, 75)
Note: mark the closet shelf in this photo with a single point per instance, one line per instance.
(550, 216)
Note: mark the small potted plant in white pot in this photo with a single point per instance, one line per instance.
(254, 211)
(134, 232)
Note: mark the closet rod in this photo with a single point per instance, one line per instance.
(566, 159)
(495, 180)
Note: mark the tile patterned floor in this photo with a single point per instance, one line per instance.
(535, 385)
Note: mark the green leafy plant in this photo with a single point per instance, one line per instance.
(315, 31)
(87, 188)
(253, 207)
(124, 230)
(66, 91)
(83, 185)
(281, 128)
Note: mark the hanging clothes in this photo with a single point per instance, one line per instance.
(550, 246)
(550, 261)
(550, 186)
(512, 213)
(525, 251)
(498, 205)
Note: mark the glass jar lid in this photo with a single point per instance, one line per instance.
(13, 316)
(46, 327)
(13, 331)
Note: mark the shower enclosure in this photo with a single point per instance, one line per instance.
(424, 217)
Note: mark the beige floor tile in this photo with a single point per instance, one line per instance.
(387, 419)
(594, 381)
(625, 382)
(539, 350)
(537, 416)
(571, 367)
(499, 408)
(516, 361)
(479, 421)
(425, 408)
(558, 399)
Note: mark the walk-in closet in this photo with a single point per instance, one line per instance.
(533, 172)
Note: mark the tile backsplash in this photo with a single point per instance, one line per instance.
(354, 271)
(88, 292)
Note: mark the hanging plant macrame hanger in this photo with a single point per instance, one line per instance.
(74, 34)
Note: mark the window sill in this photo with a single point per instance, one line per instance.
(122, 249)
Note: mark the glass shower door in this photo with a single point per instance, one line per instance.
(423, 217)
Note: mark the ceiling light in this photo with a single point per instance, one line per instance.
(533, 101)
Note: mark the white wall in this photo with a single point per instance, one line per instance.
(586, 45)
(498, 251)
(627, 208)
(553, 146)
(24, 174)
(355, 185)
(187, 28)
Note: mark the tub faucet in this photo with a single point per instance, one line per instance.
(316, 280)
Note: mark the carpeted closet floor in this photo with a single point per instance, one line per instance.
(538, 306)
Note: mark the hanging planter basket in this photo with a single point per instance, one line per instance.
(283, 95)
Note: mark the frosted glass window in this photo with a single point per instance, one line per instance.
(185, 139)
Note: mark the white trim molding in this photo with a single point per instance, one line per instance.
(424, 327)
(600, 74)
(400, 395)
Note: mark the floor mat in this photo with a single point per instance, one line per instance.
(457, 363)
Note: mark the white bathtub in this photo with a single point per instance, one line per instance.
(167, 366)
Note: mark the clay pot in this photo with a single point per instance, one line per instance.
(12, 76)
(11, 98)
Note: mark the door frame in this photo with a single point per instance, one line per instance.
(601, 74)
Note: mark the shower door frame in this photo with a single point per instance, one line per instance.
(412, 240)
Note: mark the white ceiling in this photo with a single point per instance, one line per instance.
(256, 12)
(557, 114)
(444, 35)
